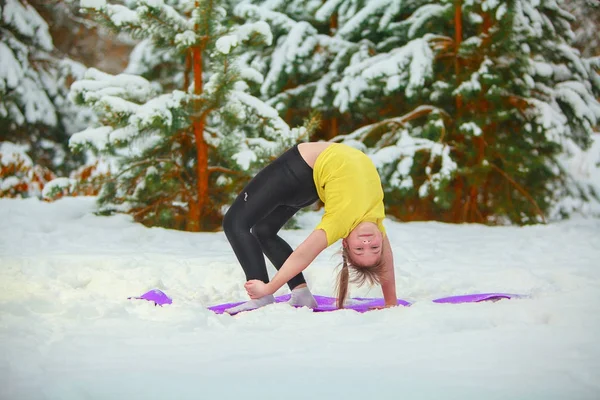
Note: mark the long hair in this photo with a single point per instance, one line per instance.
(349, 272)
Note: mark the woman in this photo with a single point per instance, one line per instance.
(347, 182)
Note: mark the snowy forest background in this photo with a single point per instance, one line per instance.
(480, 111)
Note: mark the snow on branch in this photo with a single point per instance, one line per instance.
(244, 33)
(275, 19)
(149, 17)
(121, 15)
(396, 150)
(97, 84)
(327, 10)
(264, 111)
(582, 103)
(159, 111)
(27, 22)
(423, 15)
(405, 67)
(118, 15)
(397, 158)
(97, 138)
(473, 84)
(11, 72)
(95, 4)
(361, 18)
(297, 46)
(160, 16)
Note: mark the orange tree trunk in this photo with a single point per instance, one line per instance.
(199, 205)
(459, 188)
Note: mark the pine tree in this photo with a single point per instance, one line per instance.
(35, 115)
(187, 133)
(466, 107)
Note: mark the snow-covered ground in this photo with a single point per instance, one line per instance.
(67, 330)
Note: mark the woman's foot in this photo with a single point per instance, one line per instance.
(252, 304)
(302, 297)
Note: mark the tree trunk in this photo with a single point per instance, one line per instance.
(457, 42)
(458, 209)
(329, 128)
(199, 206)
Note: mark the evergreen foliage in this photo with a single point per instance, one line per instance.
(466, 107)
(77, 37)
(586, 25)
(180, 122)
(34, 110)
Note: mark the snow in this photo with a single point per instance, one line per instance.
(9, 183)
(121, 15)
(274, 19)
(68, 331)
(37, 106)
(328, 8)
(251, 75)
(244, 157)
(416, 57)
(423, 15)
(353, 25)
(501, 12)
(245, 31)
(11, 72)
(159, 108)
(92, 3)
(583, 104)
(471, 127)
(225, 43)
(294, 48)
(168, 14)
(97, 84)
(125, 134)
(96, 137)
(584, 167)
(58, 183)
(118, 105)
(27, 22)
(186, 39)
(13, 153)
(263, 110)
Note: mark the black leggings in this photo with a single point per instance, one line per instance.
(269, 200)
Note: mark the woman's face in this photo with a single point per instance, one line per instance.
(364, 244)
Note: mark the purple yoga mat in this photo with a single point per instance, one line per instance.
(324, 303)
(155, 295)
(476, 298)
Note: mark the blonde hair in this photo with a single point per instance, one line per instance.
(350, 272)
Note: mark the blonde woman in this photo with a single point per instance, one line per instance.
(347, 182)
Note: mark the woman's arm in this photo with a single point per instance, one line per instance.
(388, 281)
(297, 262)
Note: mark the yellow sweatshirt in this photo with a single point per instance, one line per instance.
(349, 185)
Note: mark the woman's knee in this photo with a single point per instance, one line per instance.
(262, 232)
(232, 222)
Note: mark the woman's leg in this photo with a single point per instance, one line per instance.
(273, 246)
(287, 181)
(265, 192)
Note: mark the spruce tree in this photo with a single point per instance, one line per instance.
(466, 107)
(181, 122)
(34, 110)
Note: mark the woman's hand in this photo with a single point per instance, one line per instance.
(257, 289)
